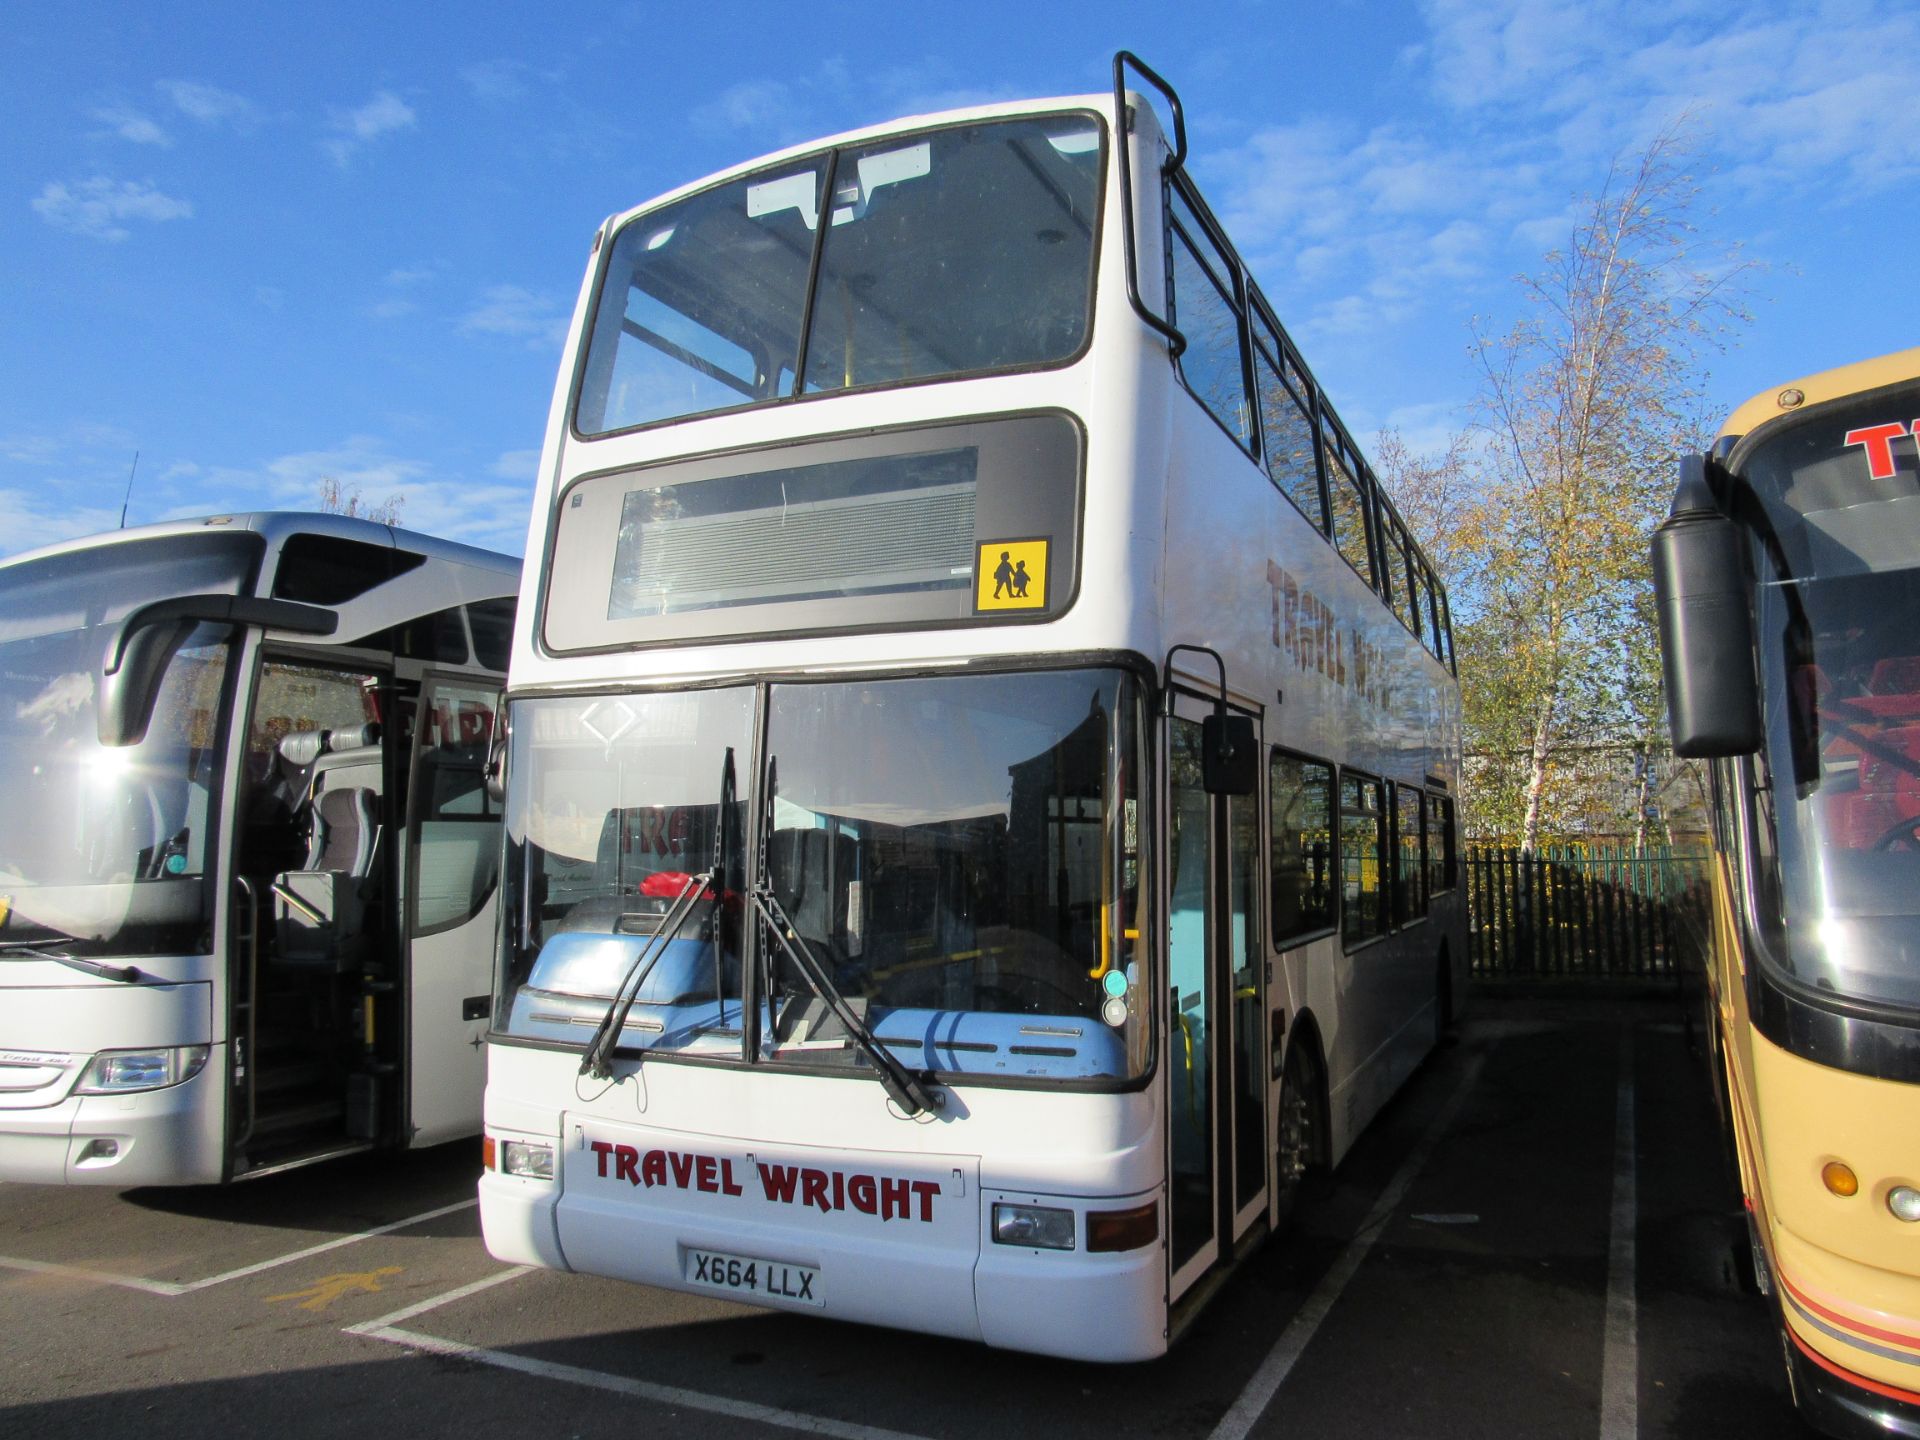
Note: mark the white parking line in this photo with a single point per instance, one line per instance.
(670, 1395)
(174, 1287)
(1238, 1422)
(387, 1328)
(1620, 1355)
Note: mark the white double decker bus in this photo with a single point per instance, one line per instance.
(248, 860)
(982, 750)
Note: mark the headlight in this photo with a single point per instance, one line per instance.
(117, 1072)
(1040, 1226)
(532, 1162)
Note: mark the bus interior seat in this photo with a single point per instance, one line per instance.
(319, 911)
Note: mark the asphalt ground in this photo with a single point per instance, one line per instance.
(1537, 1238)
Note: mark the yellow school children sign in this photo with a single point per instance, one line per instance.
(1010, 575)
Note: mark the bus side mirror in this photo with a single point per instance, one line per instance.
(142, 646)
(1229, 755)
(1706, 624)
(495, 774)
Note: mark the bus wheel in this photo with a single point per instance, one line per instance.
(1299, 1139)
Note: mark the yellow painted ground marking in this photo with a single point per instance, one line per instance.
(323, 1293)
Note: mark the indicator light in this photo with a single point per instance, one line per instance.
(487, 1155)
(1124, 1229)
(1904, 1202)
(1839, 1179)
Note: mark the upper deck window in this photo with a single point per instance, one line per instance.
(950, 252)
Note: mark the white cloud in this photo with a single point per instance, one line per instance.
(100, 207)
(392, 309)
(209, 104)
(541, 320)
(522, 465)
(758, 105)
(32, 518)
(488, 513)
(130, 124)
(382, 115)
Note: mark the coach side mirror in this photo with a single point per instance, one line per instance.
(495, 773)
(141, 647)
(1229, 754)
(1706, 623)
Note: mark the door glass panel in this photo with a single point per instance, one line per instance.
(459, 824)
(1190, 1112)
(1243, 949)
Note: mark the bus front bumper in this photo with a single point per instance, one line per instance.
(1839, 1403)
(170, 1136)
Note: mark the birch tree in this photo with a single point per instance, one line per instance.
(1584, 404)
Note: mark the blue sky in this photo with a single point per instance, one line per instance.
(262, 245)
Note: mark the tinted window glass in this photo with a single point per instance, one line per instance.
(1287, 430)
(1349, 512)
(702, 302)
(1409, 893)
(492, 624)
(965, 249)
(1211, 362)
(1439, 844)
(1301, 798)
(1363, 851)
(330, 570)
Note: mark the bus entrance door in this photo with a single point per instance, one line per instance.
(1217, 1172)
(453, 866)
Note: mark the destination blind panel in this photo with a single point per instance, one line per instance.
(846, 533)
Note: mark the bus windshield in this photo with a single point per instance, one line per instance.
(1838, 614)
(103, 849)
(958, 855)
(951, 252)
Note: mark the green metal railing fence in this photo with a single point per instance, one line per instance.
(1598, 910)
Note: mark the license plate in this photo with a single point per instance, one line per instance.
(746, 1275)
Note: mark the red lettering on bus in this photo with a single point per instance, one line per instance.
(813, 1188)
(601, 1149)
(926, 1190)
(1877, 441)
(777, 1181)
(707, 1174)
(862, 1192)
(893, 1199)
(653, 1169)
(682, 1168)
(624, 1157)
(728, 1186)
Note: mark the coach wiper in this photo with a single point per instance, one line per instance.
(26, 950)
(900, 1083)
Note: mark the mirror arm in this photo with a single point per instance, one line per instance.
(1122, 61)
(145, 642)
(216, 610)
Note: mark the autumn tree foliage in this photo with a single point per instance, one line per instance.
(1539, 516)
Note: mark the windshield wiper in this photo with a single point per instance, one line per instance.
(900, 1082)
(25, 950)
(598, 1061)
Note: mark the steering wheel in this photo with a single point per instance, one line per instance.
(1904, 835)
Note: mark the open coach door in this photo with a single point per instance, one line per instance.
(453, 870)
(1216, 1080)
